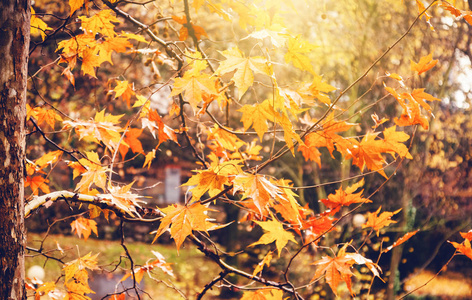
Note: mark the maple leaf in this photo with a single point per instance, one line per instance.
(194, 85)
(160, 263)
(182, 220)
(94, 174)
(48, 159)
(316, 226)
(463, 248)
(213, 179)
(164, 132)
(102, 129)
(226, 139)
(183, 33)
(256, 187)
(149, 157)
(45, 115)
(327, 137)
(345, 198)
(110, 44)
(123, 198)
(411, 115)
(85, 227)
(419, 96)
(101, 22)
(76, 4)
(45, 288)
(316, 90)
(264, 262)
(245, 68)
(131, 139)
(426, 63)
(366, 154)
(90, 60)
(427, 16)
(467, 235)
(275, 34)
(401, 240)
(377, 222)
(297, 48)
(265, 294)
(257, 115)
(335, 269)
(76, 276)
(38, 26)
(36, 183)
(392, 142)
(125, 89)
(274, 231)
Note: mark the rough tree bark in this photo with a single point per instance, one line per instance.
(14, 44)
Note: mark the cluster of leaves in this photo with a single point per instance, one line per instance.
(231, 161)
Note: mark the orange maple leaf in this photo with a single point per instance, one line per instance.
(463, 248)
(335, 269)
(85, 227)
(338, 268)
(467, 235)
(94, 173)
(426, 63)
(36, 183)
(378, 222)
(345, 198)
(131, 139)
(164, 132)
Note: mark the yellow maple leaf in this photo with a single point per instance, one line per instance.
(226, 139)
(149, 157)
(264, 262)
(194, 85)
(102, 129)
(124, 89)
(257, 115)
(297, 48)
(214, 179)
(76, 4)
(256, 187)
(182, 220)
(48, 159)
(123, 198)
(101, 22)
(94, 174)
(38, 26)
(274, 231)
(245, 68)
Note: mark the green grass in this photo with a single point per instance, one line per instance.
(192, 271)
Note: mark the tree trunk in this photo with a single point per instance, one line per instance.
(14, 44)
